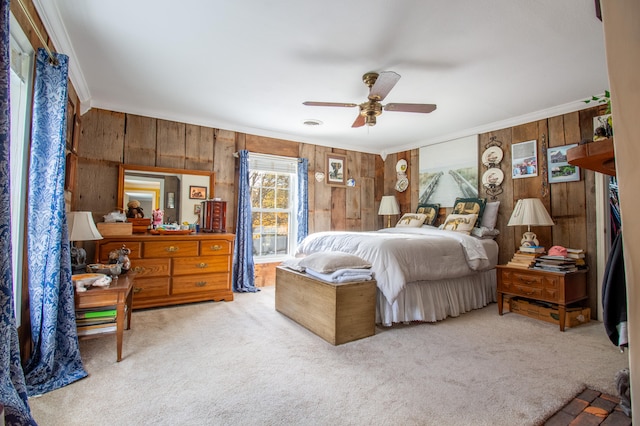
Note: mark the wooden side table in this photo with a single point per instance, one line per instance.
(544, 286)
(120, 294)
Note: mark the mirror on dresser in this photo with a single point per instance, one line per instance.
(177, 192)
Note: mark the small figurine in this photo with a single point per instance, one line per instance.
(157, 218)
(134, 211)
(121, 256)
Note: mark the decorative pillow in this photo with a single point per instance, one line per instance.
(431, 210)
(460, 222)
(490, 215)
(412, 220)
(469, 206)
(330, 261)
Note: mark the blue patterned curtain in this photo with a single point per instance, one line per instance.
(13, 392)
(55, 360)
(303, 198)
(243, 268)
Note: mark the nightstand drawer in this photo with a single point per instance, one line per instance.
(523, 290)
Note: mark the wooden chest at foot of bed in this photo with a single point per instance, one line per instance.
(337, 312)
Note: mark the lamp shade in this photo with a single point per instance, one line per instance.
(530, 212)
(389, 205)
(82, 227)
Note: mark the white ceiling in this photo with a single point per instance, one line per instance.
(247, 65)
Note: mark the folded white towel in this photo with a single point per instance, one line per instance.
(343, 275)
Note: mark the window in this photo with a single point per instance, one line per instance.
(273, 205)
(20, 95)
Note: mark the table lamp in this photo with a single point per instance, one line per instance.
(530, 211)
(81, 228)
(388, 206)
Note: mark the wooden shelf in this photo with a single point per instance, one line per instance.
(597, 156)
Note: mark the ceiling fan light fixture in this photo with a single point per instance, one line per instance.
(370, 120)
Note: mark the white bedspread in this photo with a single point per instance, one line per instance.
(403, 255)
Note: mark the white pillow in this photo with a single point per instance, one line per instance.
(486, 233)
(331, 261)
(490, 215)
(460, 222)
(293, 264)
(413, 220)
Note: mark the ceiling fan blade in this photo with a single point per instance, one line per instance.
(383, 85)
(424, 108)
(359, 121)
(329, 104)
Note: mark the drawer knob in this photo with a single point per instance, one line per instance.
(203, 265)
(201, 283)
(139, 269)
(529, 282)
(172, 249)
(216, 247)
(137, 290)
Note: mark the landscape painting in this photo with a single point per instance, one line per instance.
(448, 170)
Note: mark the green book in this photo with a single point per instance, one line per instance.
(96, 314)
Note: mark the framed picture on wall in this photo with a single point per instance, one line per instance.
(198, 192)
(336, 169)
(524, 159)
(559, 169)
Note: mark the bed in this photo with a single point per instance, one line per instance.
(423, 273)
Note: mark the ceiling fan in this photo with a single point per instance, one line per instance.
(379, 87)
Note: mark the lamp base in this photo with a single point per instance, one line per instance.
(529, 239)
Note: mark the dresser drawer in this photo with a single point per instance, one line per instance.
(150, 287)
(110, 246)
(170, 249)
(215, 247)
(201, 265)
(200, 283)
(145, 268)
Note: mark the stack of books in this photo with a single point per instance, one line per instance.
(578, 255)
(92, 321)
(555, 264)
(523, 260)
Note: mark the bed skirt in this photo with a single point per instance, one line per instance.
(432, 301)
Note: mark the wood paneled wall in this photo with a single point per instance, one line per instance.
(109, 138)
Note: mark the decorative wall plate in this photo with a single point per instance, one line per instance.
(401, 166)
(493, 155)
(493, 176)
(402, 184)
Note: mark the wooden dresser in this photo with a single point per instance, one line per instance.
(174, 269)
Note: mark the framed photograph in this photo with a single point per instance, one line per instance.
(197, 209)
(524, 159)
(559, 169)
(198, 192)
(438, 163)
(336, 169)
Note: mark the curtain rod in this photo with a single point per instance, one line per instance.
(52, 59)
(277, 157)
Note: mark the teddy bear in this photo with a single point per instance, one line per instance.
(134, 209)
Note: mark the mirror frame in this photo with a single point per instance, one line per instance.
(123, 168)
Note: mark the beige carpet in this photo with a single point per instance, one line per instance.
(243, 363)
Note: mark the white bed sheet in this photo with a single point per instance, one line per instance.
(404, 255)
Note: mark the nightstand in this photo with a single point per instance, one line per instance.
(544, 286)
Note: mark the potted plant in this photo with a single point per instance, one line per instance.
(603, 125)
